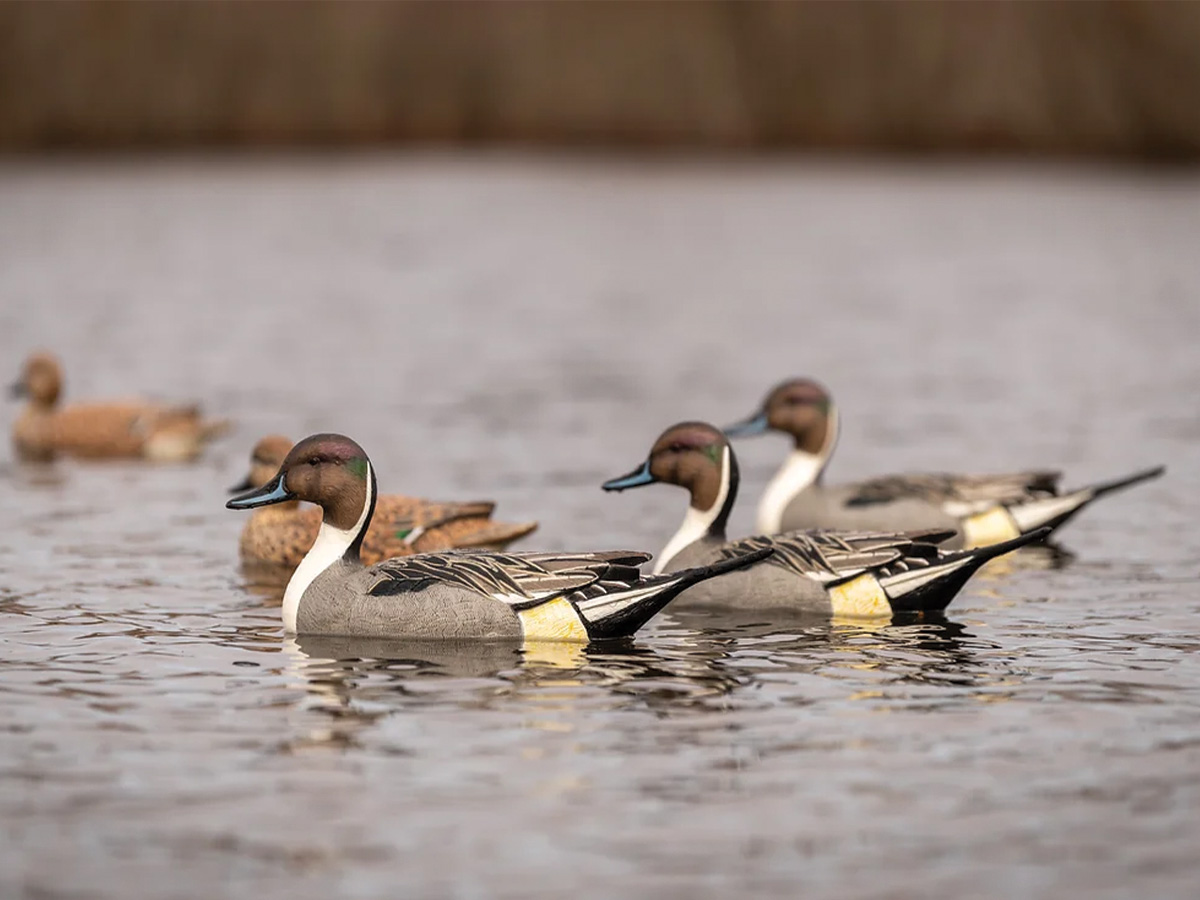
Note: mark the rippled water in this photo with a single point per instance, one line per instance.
(521, 329)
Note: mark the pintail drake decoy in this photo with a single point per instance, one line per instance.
(983, 509)
(131, 428)
(458, 594)
(851, 573)
(281, 534)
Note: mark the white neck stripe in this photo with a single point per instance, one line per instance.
(330, 546)
(696, 522)
(799, 471)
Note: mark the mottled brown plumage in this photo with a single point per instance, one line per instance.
(131, 428)
(283, 533)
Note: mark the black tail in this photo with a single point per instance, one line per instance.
(980, 555)
(933, 587)
(620, 613)
(1053, 512)
(1107, 487)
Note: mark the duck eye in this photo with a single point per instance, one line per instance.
(314, 460)
(677, 448)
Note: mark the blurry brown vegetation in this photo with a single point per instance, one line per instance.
(1117, 78)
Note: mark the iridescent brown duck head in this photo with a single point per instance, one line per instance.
(695, 456)
(331, 471)
(800, 407)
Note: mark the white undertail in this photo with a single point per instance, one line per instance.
(330, 546)
(798, 472)
(696, 522)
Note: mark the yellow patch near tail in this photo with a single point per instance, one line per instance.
(554, 655)
(859, 598)
(553, 621)
(987, 528)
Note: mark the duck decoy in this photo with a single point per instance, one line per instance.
(459, 594)
(983, 509)
(852, 573)
(131, 428)
(281, 534)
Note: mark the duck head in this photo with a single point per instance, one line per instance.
(329, 470)
(40, 381)
(333, 472)
(266, 458)
(695, 456)
(800, 407)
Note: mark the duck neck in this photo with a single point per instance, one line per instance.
(801, 470)
(699, 524)
(333, 544)
(38, 406)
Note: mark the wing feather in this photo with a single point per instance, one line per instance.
(519, 579)
(965, 493)
(831, 556)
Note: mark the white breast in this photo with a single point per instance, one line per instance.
(798, 471)
(696, 522)
(330, 546)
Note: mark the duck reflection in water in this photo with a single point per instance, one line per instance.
(375, 673)
(914, 647)
(693, 668)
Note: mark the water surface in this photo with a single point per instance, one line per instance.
(521, 329)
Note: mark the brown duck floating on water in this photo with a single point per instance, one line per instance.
(123, 428)
(283, 533)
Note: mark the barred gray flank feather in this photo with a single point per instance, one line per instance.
(836, 556)
(969, 490)
(520, 579)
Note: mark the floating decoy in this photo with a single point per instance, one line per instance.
(459, 594)
(281, 534)
(131, 428)
(983, 509)
(853, 573)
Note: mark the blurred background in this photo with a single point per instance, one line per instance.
(1114, 79)
(504, 245)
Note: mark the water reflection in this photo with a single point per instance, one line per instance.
(698, 667)
(914, 649)
(485, 674)
(265, 581)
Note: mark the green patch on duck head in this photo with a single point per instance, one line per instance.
(713, 452)
(357, 467)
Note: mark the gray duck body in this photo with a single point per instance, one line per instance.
(456, 594)
(488, 595)
(982, 509)
(764, 587)
(832, 508)
(339, 602)
(854, 573)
